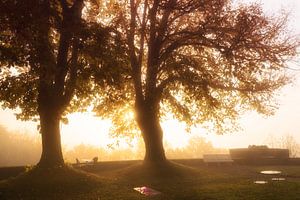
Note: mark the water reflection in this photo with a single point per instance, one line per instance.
(278, 179)
(270, 172)
(260, 182)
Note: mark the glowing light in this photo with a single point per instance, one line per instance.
(87, 129)
(175, 134)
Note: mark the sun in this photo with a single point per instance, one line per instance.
(175, 134)
(86, 128)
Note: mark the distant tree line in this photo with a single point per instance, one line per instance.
(19, 149)
(286, 141)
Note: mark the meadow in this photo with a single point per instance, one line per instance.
(185, 179)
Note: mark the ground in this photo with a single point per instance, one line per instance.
(185, 180)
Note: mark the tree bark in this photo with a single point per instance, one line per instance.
(148, 122)
(51, 142)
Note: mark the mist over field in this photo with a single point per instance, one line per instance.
(23, 149)
(18, 149)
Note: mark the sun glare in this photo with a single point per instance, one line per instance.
(175, 134)
(86, 128)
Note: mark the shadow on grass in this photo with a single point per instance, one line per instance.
(162, 171)
(173, 180)
(50, 183)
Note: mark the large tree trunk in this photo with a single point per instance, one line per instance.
(152, 134)
(51, 142)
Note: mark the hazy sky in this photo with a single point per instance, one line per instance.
(256, 129)
(84, 128)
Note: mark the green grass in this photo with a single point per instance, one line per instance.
(107, 181)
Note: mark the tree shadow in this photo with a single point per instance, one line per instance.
(49, 183)
(171, 179)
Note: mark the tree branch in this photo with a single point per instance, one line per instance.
(71, 84)
(136, 66)
(71, 21)
(143, 34)
(64, 5)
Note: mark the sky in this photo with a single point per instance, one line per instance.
(256, 129)
(286, 121)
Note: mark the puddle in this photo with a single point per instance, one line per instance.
(260, 182)
(278, 179)
(270, 172)
(147, 191)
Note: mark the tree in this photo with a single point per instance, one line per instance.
(49, 53)
(287, 141)
(46, 68)
(204, 61)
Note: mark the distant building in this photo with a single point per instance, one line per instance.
(259, 154)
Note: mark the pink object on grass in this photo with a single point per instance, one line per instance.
(147, 191)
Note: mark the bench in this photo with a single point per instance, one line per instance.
(217, 158)
(87, 161)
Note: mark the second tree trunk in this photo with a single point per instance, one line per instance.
(152, 134)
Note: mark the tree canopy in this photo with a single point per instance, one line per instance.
(28, 55)
(50, 55)
(205, 61)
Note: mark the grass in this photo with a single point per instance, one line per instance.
(116, 181)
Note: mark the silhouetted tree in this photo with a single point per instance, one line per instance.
(205, 61)
(48, 54)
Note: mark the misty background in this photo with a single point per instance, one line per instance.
(19, 149)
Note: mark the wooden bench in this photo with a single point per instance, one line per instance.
(87, 161)
(217, 158)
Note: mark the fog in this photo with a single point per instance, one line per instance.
(18, 149)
